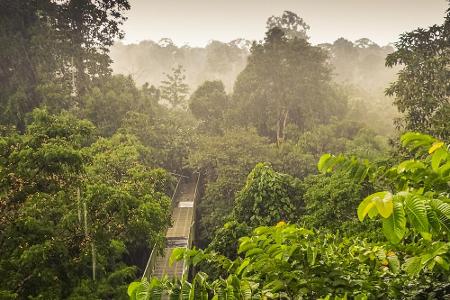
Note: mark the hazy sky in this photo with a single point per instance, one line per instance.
(195, 22)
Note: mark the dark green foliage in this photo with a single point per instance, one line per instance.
(167, 134)
(226, 239)
(330, 201)
(209, 104)
(422, 89)
(108, 100)
(226, 161)
(45, 43)
(416, 198)
(288, 262)
(40, 173)
(268, 197)
(121, 182)
(48, 240)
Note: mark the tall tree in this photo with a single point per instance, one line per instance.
(422, 90)
(92, 27)
(107, 101)
(292, 25)
(45, 43)
(208, 104)
(174, 89)
(285, 81)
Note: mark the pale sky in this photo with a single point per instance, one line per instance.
(196, 22)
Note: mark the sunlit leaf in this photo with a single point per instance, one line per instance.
(439, 156)
(435, 146)
(394, 227)
(384, 204)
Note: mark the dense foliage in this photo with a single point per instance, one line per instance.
(286, 81)
(50, 47)
(418, 195)
(422, 89)
(88, 158)
(72, 207)
(288, 261)
(336, 253)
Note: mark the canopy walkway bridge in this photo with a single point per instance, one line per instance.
(181, 233)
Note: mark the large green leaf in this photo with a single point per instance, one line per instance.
(132, 289)
(394, 227)
(439, 156)
(415, 208)
(414, 140)
(444, 170)
(381, 200)
(384, 204)
(413, 265)
(324, 162)
(441, 212)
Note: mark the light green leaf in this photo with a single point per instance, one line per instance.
(394, 227)
(132, 288)
(384, 204)
(246, 245)
(366, 206)
(442, 262)
(243, 265)
(253, 251)
(324, 162)
(437, 158)
(413, 265)
(373, 212)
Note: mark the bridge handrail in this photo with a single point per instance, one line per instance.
(154, 254)
(191, 229)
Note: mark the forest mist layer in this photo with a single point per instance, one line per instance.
(357, 66)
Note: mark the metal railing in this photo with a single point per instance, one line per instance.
(150, 263)
(150, 266)
(154, 254)
(192, 227)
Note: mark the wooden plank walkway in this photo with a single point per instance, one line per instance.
(178, 234)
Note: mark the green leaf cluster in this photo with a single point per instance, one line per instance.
(418, 201)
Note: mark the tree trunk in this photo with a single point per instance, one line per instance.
(281, 125)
